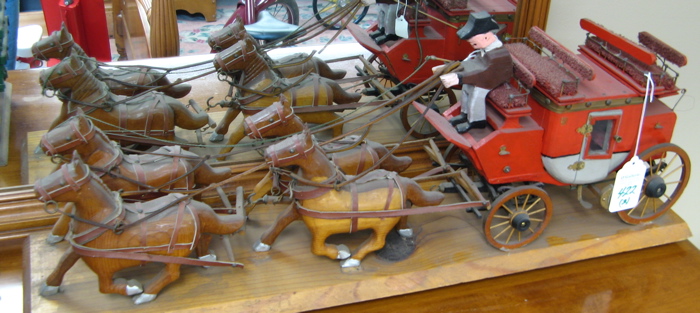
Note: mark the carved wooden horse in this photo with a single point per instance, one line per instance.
(279, 120)
(289, 66)
(168, 236)
(126, 81)
(375, 195)
(262, 86)
(168, 169)
(151, 114)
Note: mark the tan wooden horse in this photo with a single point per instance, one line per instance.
(328, 210)
(125, 80)
(279, 120)
(260, 86)
(289, 66)
(175, 226)
(151, 114)
(167, 169)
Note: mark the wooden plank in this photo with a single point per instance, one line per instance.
(450, 250)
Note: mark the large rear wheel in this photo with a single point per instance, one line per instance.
(667, 175)
(410, 116)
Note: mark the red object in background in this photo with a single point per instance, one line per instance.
(85, 20)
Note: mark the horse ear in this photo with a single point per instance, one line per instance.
(284, 101)
(79, 112)
(77, 163)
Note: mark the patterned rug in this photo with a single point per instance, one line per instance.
(194, 30)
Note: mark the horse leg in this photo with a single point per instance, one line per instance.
(185, 118)
(283, 220)
(236, 136)
(319, 234)
(261, 188)
(53, 282)
(60, 228)
(374, 243)
(222, 126)
(392, 163)
(169, 274)
(326, 71)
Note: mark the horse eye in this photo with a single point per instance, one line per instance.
(271, 120)
(292, 150)
(52, 44)
(68, 138)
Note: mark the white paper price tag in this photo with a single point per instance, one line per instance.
(401, 27)
(628, 185)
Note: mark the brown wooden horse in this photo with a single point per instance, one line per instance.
(168, 236)
(289, 66)
(279, 120)
(167, 169)
(375, 195)
(151, 114)
(262, 86)
(126, 80)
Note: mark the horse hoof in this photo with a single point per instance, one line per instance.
(38, 150)
(343, 252)
(406, 233)
(143, 298)
(46, 290)
(54, 239)
(216, 137)
(209, 257)
(261, 247)
(133, 287)
(350, 263)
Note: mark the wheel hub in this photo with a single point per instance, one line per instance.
(521, 222)
(656, 187)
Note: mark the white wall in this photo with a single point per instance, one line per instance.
(672, 21)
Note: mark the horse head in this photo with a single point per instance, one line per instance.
(58, 45)
(291, 151)
(63, 74)
(76, 131)
(235, 57)
(227, 36)
(276, 120)
(63, 184)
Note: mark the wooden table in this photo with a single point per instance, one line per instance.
(655, 279)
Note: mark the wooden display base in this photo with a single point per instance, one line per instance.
(450, 250)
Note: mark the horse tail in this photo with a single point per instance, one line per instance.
(417, 195)
(340, 95)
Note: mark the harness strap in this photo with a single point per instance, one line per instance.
(142, 255)
(385, 214)
(355, 207)
(178, 222)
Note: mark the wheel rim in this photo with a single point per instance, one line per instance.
(411, 116)
(666, 178)
(322, 9)
(386, 80)
(517, 217)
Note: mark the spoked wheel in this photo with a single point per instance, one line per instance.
(667, 175)
(411, 116)
(324, 8)
(285, 10)
(517, 217)
(385, 80)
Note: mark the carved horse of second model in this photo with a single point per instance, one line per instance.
(289, 66)
(260, 86)
(328, 210)
(279, 120)
(150, 114)
(167, 169)
(125, 81)
(176, 227)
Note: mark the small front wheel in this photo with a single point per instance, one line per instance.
(285, 10)
(517, 217)
(324, 8)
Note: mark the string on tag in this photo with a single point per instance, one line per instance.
(648, 97)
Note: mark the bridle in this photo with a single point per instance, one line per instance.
(79, 140)
(298, 150)
(251, 122)
(71, 184)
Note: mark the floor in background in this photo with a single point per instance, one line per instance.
(194, 30)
